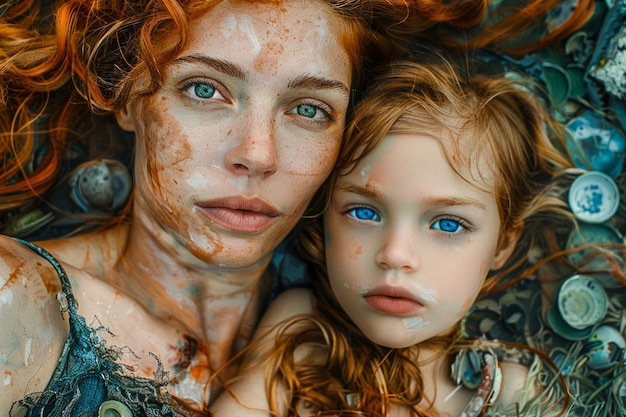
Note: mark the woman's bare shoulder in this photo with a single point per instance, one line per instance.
(33, 330)
(90, 252)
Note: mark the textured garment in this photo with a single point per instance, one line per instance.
(87, 374)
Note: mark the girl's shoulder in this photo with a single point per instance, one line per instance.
(290, 303)
(33, 328)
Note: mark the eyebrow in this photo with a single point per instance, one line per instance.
(233, 70)
(228, 68)
(437, 202)
(456, 201)
(318, 83)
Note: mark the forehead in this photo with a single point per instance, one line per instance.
(456, 157)
(262, 35)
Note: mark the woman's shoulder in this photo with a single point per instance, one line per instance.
(33, 330)
(89, 251)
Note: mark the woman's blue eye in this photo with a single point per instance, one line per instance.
(364, 213)
(447, 225)
(307, 110)
(203, 90)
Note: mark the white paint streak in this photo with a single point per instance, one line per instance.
(414, 324)
(228, 26)
(7, 379)
(429, 295)
(6, 297)
(323, 32)
(27, 349)
(247, 28)
(360, 288)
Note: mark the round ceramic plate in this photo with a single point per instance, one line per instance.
(582, 301)
(593, 197)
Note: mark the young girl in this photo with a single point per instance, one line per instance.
(448, 173)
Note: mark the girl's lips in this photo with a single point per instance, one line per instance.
(393, 300)
(240, 214)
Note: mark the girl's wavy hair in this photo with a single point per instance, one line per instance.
(498, 121)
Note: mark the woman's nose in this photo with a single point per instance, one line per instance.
(399, 252)
(254, 152)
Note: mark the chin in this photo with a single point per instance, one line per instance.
(230, 256)
(385, 341)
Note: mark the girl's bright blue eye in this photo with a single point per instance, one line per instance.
(203, 90)
(307, 110)
(364, 213)
(447, 225)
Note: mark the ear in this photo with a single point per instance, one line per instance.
(126, 118)
(505, 249)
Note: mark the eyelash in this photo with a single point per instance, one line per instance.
(327, 111)
(362, 207)
(187, 84)
(461, 222)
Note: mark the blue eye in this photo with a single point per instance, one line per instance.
(312, 112)
(364, 213)
(307, 110)
(447, 225)
(204, 90)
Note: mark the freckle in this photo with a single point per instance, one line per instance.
(230, 131)
(356, 253)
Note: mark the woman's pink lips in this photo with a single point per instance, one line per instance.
(240, 214)
(392, 300)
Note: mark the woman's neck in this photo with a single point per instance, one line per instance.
(170, 283)
(158, 274)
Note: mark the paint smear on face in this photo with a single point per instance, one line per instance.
(6, 297)
(27, 350)
(360, 288)
(414, 324)
(245, 26)
(427, 294)
(267, 60)
(158, 142)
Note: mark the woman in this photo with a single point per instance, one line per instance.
(236, 126)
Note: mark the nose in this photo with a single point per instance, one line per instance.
(399, 252)
(254, 151)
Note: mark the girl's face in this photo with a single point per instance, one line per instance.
(408, 242)
(245, 128)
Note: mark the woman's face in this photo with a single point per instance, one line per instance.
(409, 242)
(245, 128)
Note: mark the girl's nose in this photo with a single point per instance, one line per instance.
(399, 252)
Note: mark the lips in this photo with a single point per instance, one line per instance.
(393, 300)
(240, 214)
